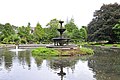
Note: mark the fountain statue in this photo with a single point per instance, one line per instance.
(61, 42)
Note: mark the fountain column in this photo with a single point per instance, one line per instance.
(61, 30)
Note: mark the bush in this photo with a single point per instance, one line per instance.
(42, 51)
(86, 51)
(114, 45)
(23, 41)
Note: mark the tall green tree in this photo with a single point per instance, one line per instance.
(1, 34)
(70, 27)
(38, 33)
(51, 30)
(100, 28)
(83, 33)
(72, 31)
(76, 35)
(24, 33)
(7, 32)
(116, 32)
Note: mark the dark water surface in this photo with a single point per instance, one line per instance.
(21, 65)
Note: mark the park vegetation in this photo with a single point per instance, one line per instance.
(104, 27)
(42, 51)
(10, 34)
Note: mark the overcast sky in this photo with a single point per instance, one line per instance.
(20, 12)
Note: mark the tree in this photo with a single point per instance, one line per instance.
(70, 26)
(51, 31)
(116, 31)
(24, 33)
(72, 31)
(76, 35)
(38, 32)
(7, 32)
(1, 34)
(100, 28)
(83, 33)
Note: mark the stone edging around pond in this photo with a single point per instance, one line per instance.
(103, 47)
(28, 46)
(7, 46)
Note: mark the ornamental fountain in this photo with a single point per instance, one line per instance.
(61, 42)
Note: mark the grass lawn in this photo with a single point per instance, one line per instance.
(108, 45)
(43, 51)
(98, 44)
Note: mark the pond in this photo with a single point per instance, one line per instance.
(21, 65)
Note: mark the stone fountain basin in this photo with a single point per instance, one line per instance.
(61, 30)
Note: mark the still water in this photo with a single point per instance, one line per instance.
(21, 65)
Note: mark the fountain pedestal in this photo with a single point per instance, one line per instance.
(60, 41)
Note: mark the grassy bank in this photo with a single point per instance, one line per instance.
(107, 45)
(98, 44)
(42, 51)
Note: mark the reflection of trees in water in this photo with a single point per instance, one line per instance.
(25, 58)
(38, 61)
(61, 63)
(8, 59)
(106, 64)
(57, 62)
(1, 57)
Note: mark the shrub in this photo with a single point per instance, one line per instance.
(114, 45)
(102, 44)
(86, 51)
(23, 41)
(42, 51)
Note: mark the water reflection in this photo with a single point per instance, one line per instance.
(24, 58)
(39, 61)
(7, 57)
(15, 64)
(61, 63)
(105, 64)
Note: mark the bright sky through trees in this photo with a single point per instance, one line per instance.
(20, 12)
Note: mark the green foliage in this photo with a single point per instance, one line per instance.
(114, 45)
(72, 31)
(23, 41)
(24, 33)
(5, 40)
(86, 51)
(76, 35)
(51, 31)
(107, 45)
(100, 28)
(70, 26)
(38, 32)
(83, 33)
(6, 31)
(42, 51)
(116, 31)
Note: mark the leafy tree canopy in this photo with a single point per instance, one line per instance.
(51, 31)
(38, 32)
(70, 26)
(100, 28)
